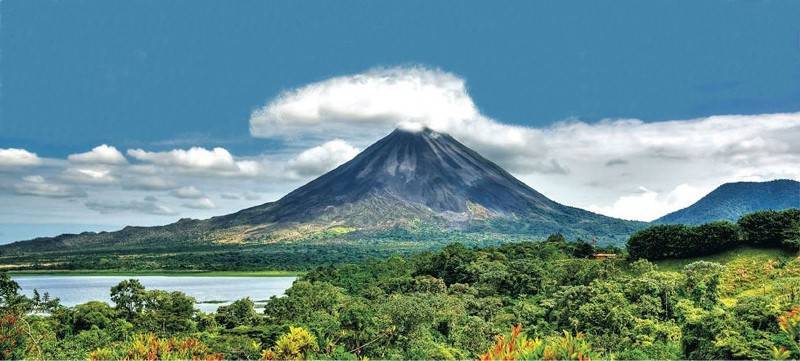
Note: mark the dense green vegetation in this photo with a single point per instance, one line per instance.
(715, 291)
(448, 304)
(770, 229)
(299, 255)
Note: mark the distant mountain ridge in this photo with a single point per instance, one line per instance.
(407, 180)
(733, 200)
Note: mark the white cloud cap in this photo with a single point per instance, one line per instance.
(382, 98)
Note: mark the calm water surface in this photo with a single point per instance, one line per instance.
(73, 290)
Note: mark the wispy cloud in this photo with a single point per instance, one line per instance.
(38, 186)
(149, 205)
(202, 203)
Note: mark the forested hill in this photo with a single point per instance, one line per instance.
(733, 200)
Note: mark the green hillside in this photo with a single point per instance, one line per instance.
(749, 272)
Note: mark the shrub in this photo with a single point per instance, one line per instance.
(517, 346)
(295, 345)
(150, 347)
(12, 338)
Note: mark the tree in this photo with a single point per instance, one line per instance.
(450, 265)
(714, 237)
(583, 249)
(167, 312)
(660, 241)
(702, 282)
(10, 298)
(239, 313)
(771, 228)
(129, 298)
(556, 238)
(677, 240)
(92, 314)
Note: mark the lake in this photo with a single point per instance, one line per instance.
(208, 291)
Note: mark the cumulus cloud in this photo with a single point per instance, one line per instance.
(198, 159)
(189, 192)
(38, 186)
(14, 157)
(202, 203)
(322, 158)
(195, 157)
(102, 154)
(149, 205)
(646, 204)
(568, 161)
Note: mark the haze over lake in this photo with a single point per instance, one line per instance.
(208, 291)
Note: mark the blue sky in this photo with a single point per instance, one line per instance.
(160, 76)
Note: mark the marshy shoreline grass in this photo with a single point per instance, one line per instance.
(170, 273)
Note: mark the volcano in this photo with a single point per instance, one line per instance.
(429, 176)
(403, 181)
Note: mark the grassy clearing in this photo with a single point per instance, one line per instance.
(265, 273)
(750, 272)
(736, 255)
